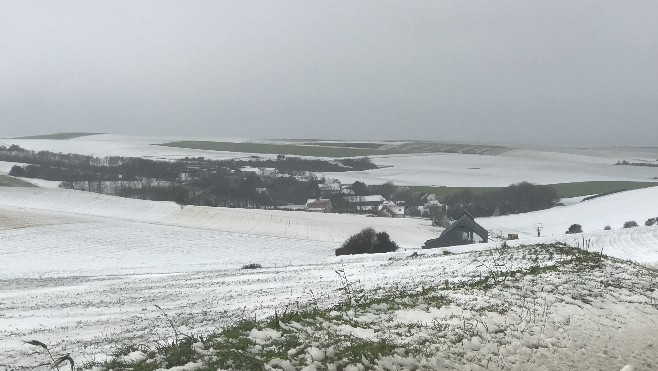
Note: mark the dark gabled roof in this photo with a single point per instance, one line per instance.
(467, 219)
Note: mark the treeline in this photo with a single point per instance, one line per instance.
(646, 164)
(227, 190)
(517, 198)
(295, 165)
(193, 181)
(108, 168)
(73, 167)
(197, 181)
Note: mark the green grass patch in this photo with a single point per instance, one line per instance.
(590, 188)
(442, 192)
(277, 149)
(339, 149)
(564, 190)
(233, 349)
(10, 181)
(292, 334)
(58, 136)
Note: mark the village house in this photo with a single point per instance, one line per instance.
(268, 172)
(320, 205)
(463, 231)
(363, 204)
(330, 187)
(427, 202)
(389, 209)
(346, 189)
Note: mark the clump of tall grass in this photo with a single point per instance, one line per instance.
(55, 362)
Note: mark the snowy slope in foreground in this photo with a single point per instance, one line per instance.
(84, 277)
(557, 319)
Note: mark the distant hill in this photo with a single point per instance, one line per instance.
(340, 148)
(57, 136)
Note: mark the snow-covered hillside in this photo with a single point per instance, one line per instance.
(83, 272)
(638, 244)
(611, 210)
(408, 232)
(559, 309)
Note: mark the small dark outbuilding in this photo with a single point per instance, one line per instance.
(463, 231)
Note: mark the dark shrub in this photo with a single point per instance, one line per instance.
(650, 222)
(575, 228)
(252, 266)
(630, 224)
(367, 241)
(17, 171)
(607, 228)
(383, 243)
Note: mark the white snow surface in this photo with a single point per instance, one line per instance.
(543, 166)
(464, 170)
(102, 145)
(5, 166)
(408, 232)
(83, 272)
(638, 244)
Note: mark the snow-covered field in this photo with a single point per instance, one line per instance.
(638, 244)
(82, 272)
(408, 232)
(462, 170)
(102, 145)
(544, 166)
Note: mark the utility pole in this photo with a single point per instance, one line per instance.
(539, 227)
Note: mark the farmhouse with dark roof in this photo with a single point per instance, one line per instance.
(462, 232)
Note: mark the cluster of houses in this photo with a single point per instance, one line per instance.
(462, 231)
(373, 205)
(376, 205)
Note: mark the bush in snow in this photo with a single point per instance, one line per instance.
(367, 242)
(17, 171)
(607, 228)
(651, 221)
(252, 266)
(384, 243)
(630, 224)
(575, 228)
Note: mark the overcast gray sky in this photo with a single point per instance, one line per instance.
(572, 73)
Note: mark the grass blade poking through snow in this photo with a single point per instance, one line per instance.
(63, 359)
(55, 362)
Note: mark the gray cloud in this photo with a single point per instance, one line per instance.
(553, 72)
